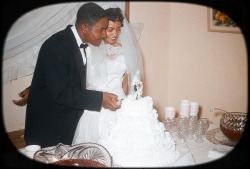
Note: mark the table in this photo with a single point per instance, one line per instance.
(192, 153)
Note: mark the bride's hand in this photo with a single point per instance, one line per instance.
(24, 94)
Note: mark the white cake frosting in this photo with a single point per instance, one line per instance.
(137, 138)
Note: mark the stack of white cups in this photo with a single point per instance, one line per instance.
(194, 109)
(184, 109)
(169, 112)
(170, 119)
(31, 150)
(185, 124)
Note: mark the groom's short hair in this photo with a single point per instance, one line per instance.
(90, 13)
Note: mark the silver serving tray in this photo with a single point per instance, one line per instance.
(216, 136)
(89, 151)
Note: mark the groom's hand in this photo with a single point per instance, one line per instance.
(109, 101)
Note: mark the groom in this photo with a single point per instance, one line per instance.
(58, 92)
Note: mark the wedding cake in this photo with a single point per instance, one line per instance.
(137, 138)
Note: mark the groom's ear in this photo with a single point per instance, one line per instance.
(84, 28)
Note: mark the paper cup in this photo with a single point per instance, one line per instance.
(169, 112)
(184, 109)
(31, 150)
(185, 101)
(194, 109)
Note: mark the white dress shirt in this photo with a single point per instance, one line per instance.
(79, 42)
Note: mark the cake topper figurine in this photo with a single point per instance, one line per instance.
(138, 86)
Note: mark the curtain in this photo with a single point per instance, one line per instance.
(27, 34)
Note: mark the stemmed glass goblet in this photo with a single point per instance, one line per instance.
(201, 128)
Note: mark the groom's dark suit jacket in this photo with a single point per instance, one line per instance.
(58, 94)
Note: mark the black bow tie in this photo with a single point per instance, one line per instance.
(84, 46)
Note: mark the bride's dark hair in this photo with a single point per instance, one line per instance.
(115, 14)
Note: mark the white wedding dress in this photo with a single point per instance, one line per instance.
(92, 125)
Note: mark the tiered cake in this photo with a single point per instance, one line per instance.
(137, 138)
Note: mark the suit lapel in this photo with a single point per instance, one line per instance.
(81, 68)
(77, 57)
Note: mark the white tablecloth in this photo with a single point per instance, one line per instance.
(192, 153)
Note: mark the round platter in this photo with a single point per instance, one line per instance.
(84, 154)
(216, 136)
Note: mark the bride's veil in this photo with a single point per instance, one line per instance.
(131, 52)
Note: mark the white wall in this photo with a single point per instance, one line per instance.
(182, 60)
(154, 43)
(185, 61)
(13, 115)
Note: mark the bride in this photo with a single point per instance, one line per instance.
(111, 69)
